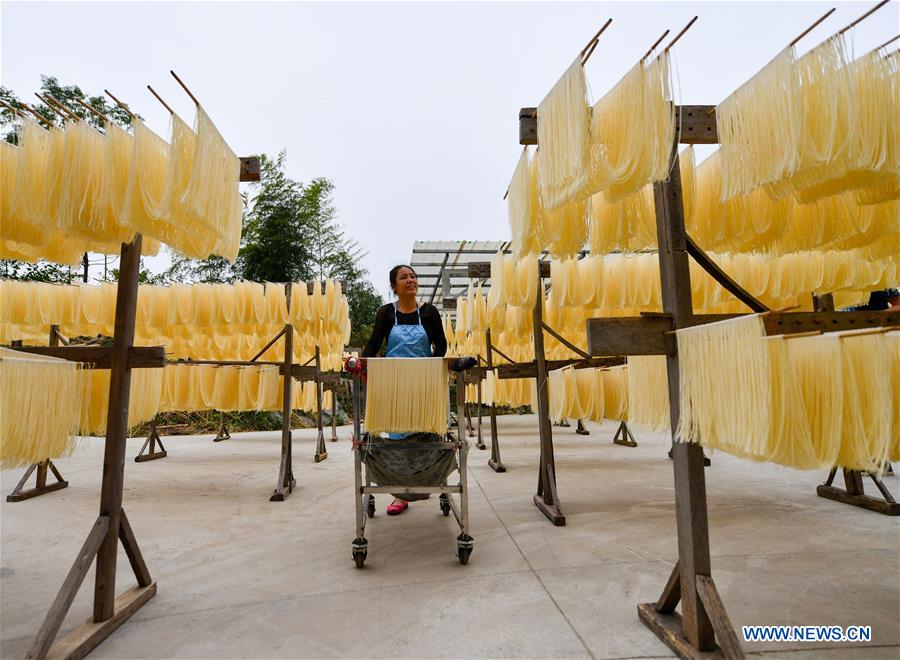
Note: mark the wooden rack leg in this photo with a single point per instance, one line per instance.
(321, 452)
(222, 432)
(460, 404)
(702, 617)
(854, 493)
(580, 430)
(286, 481)
(546, 498)
(103, 541)
(152, 440)
(623, 436)
(480, 442)
(334, 437)
(470, 428)
(41, 486)
(494, 461)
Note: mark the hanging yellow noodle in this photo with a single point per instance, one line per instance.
(406, 395)
(143, 404)
(632, 130)
(892, 341)
(725, 386)
(213, 194)
(648, 392)
(563, 132)
(759, 127)
(877, 80)
(40, 406)
(615, 392)
(629, 223)
(524, 210)
(825, 102)
(803, 402)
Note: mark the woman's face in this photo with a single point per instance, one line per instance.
(407, 283)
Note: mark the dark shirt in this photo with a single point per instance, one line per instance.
(384, 321)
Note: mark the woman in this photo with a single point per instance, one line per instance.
(412, 330)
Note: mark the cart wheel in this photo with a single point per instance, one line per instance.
(445, 505)
(370, 507)
(464, 546)
(360, 547)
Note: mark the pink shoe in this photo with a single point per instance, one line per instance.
(397, 507)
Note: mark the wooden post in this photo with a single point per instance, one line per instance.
(696, 629)
(334, 436)
(222, 432)
(117, 429)
(460, 404)
(494, 462)
(286, 481)
(480, 442)
(546, 497)
(321, 452)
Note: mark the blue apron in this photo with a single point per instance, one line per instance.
(407, 341)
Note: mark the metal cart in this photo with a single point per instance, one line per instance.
(364, 447)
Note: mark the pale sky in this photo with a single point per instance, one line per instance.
(410, 107)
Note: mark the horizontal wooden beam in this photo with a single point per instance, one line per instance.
(528, 126)
(100, 357)
(482, 269)
(642, 335)
(227, 363)
(785, 323)
(652, 333)
(250, 169)
(529, 370)
(696, 124)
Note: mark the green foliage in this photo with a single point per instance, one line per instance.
(291, 234)
(214, 270)
(144, 276)
(276, 239)
(68, 96)
(43, 271)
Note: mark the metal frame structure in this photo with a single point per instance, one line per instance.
(364, 491)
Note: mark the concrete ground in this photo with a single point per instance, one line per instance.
(242, 577)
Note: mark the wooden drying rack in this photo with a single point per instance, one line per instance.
(547, 498)
(703, 625)
(111, 526)
(300, 372)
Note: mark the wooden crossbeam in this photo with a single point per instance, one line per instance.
(482, 269)
(694, 124)
(139, 357)
(630, 336)
(785, 323)
(529, 369)
(653, 334)
(250, 169)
